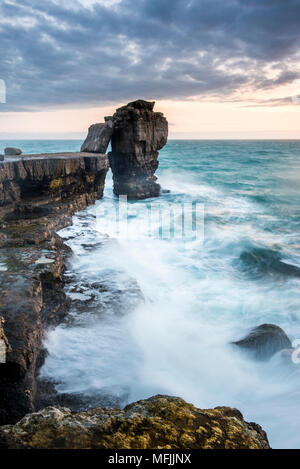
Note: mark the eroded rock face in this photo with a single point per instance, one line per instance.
(99, 136)
(264, 341)
(12, 151)
(159, 422)
(39, 195)
(138, 135)
(52, 175)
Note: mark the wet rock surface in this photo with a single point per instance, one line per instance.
(159, 422)
(99, 293)
(38, 198)
(265, 263)
(264, 341)
(47, 395)
(138, 134)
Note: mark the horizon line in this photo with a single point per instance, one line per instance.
(169, 139)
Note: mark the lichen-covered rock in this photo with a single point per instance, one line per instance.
(138, 135)
(160, 422)
(99, 136)
(12, 151)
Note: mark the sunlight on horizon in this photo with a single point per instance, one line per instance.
(187, 119)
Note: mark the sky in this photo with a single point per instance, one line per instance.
(216, 68)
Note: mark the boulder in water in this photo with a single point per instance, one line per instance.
(264, 341)
(263, 262)
(99, 136)
(10, 151)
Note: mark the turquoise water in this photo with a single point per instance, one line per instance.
(152, 315)
(41, 146)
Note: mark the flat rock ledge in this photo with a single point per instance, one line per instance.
(38, 196)
(160, 422)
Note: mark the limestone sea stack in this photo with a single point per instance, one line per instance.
(138, 134)
(99, 136)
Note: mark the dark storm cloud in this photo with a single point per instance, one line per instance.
(61, 53)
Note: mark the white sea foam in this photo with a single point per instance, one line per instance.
(176, 340)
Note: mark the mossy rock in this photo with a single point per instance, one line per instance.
(160, 422)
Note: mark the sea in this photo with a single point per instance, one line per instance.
(156, 313)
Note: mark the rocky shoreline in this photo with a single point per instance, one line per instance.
(38, 196)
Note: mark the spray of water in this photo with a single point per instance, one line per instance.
(165, 311)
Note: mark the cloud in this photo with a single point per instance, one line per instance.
(95, 52)
(286, 101)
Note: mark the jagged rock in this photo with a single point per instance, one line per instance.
(98, 138)
(138, 135)
(160, 422)
(264, 341)
(12, 151)
(38, 196)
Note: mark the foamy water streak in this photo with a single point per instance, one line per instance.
(157, 316)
